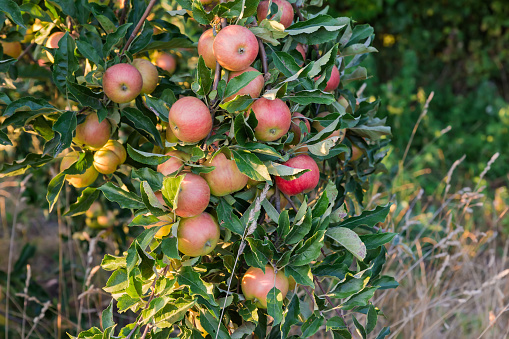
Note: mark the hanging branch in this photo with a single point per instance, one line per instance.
(138, 26)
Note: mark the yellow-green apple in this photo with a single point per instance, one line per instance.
(198, 235)
(109, 157)
(52, 42)
(78, 180)
(91, 133)
(122, 83)
(337, 133)
(174, 163)
(170, 136)
(166, 62)
(295, 127)
(306, 182)
(149, 75)
(226, 178)
(333, 81)
(235, 47)
(253, 89)
(117, 148)
(274, 119)
(12, 49)
(205, 48)
(190, 119)
(193, 196)
(256, 284)
(283, 6)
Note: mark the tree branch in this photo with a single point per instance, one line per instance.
(263, 57)
(338, 312)
(290, 201)
(138, 26)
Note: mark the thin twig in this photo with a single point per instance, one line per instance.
(121, 21)
(263, 57)
(290, 201)
(277, 200)
(338, 312)
(26, 50)
(138, 26)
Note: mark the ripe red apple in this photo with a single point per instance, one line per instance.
(225, 178)
(198, 236)
(205, 48)
(52, 42)
(166, 62)
(122, 83)
(12, 49)
(91, 133)
(274, 119)
(256, 285)
(254, 88)
(149, 75)
(300, 48)
(78, 180)
(193, 197)
(174, 163)
(190, 119)
(333, 81)
(337, 133)
(306, 182)
(295, 127)
(235, 47)
(283, 5)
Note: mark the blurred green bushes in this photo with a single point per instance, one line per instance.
(460, 50)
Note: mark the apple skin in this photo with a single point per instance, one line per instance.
(306, 182)
(205, 48)
(117, 148)
(285, 6)
(106, 161)
(300, 48)
(78, 180)
(166, 62)
(198, 236)
(226, 178)
(256, 284)
(91, 133)
(174, 163)
(338, 133)
(295, 127)
(52, 42)
(190, 119)
(235, 48)
(122, 83)
(333, 81)
(149, 75)
(12, 49)
(357, 153)
(253, 89)
(274, 119)
(193, 197)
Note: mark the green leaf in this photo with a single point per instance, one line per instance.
(371, 132)
(35, 11)
(298, 232)
(323, 147)
(308, 97)
(360, 299)
(123, 198)
(349, 287)
(239, 82)
(169, 246)
(301, 274)
(371, 319)
(275, 305)
(286, 172)
(88, 196)
(309, 251)
(292, 315)
(360, 73)
(158, 107)
(89, 52)
(154, 179)
(21, 166)
(115, 38)
(12, 10)
(153, 307)
(250, 165)
(170, 44)
(173, 312)
(367, 218)
(312, 325)
(349, 240)
(239, 104)
(243, 330)
(317, 30)
(4, 139)
(360, 328)
(271, 211)
(203, 77)
(385, 282)
(146, 158)
(107, 316)
(28, 104)
(358, 49)
(187, 276)
(170, 190)
(65, 63)
(210, 324)
(84, 95)
(142, 123)
(283, 227)
(227, 218)
(372, 241)
(6, 64)
(286, 63)
(111, 263)
(64, 126)
(125, 302)
(384, 333)
(117, 282)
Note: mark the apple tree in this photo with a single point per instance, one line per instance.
(235, 136)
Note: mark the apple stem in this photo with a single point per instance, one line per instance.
(138, 26)
(338, 312)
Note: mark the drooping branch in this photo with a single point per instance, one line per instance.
(263, 57)
(138, 26)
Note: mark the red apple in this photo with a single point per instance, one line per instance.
(254, 88)
(91, 133)
(193, 197)
(333, 81)
(256, 285)
(122, 83)
(295, 127)
(205, 48)
(283, 5)
(274, 119)
(198, 236)
(337, 133)
(149, 75)
(306, 182)
(12, 49)
(174, 163)
(235, 48)
(225, 178)
(190, 119)
(166, 62)
(78, 180)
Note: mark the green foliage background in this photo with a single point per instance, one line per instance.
(459, 50)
